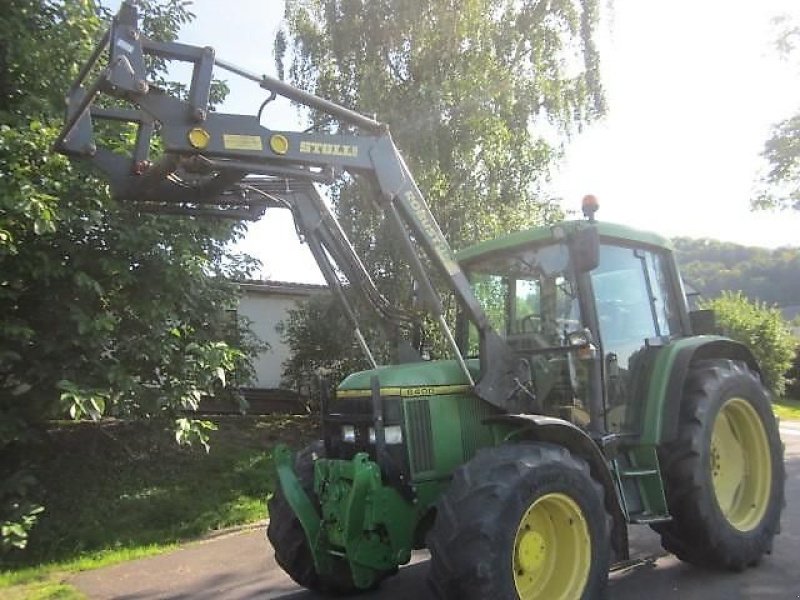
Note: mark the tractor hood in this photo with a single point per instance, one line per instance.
(411, 379)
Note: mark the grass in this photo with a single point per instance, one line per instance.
(787, 409)
(43, 590)
(117, 491)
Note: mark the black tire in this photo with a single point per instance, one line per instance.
(728, 395)
(475, 536)
(287, 537)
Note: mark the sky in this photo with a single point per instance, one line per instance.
(693, 88)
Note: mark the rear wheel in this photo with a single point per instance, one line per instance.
(521, 521)
(288, 538)
(724, 476)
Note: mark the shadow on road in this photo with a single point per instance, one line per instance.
(410, 582)
(657, 575)
(242, 567)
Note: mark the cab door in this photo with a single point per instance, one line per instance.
(636, 315)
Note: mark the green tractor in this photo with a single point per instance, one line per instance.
(632, 416)
(582, 394)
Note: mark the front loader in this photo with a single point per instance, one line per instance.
(581, 394)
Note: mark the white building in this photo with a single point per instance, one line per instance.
(267, 304)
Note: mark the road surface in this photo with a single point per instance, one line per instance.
(240, 567)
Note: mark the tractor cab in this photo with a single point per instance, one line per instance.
(587, 306)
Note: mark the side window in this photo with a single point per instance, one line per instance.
(625, 311)
(492, 292)
(526, 310)
(663, 301)
(622, 299)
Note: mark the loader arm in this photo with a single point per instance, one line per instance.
(228, 165)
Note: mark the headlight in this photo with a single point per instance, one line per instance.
(392, 433)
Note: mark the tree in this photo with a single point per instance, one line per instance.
(780, 186)
(319, 352)
(711, 266)
(478, 94)
(104, 310)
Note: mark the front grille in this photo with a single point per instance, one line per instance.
(474, 434)
(419, 435)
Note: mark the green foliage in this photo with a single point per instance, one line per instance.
(45, 590)
(464, 86)
(132, 318)
(763, 330)
(772, 276)
(125, 486)
(19, 520)
(479, 95)
(323, 350)
(33, 78)
(105, 311)
(780, 185)
(188, 431)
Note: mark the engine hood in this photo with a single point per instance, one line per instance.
(411, 379)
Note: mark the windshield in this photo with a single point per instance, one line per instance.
(528, 295)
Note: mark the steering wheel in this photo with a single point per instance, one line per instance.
(530, 323)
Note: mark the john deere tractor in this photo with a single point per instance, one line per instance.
(581, 394)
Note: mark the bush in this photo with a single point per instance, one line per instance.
(762, 329)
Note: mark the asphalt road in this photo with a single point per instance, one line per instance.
(240, 566)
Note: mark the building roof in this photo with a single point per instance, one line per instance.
(286, 288)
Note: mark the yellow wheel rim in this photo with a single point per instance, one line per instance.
(552, 550)
(741, 465)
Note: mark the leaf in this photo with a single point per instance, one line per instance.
(97, 407)
(20, 389)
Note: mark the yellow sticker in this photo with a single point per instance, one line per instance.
(407, 392)
(242, 142)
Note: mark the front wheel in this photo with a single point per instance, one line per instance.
(521, 521)
(724, 476)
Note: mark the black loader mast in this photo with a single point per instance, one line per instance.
(230, 166)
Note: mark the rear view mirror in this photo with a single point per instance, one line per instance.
(586, 249)
(703, 322)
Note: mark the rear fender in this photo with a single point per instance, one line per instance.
(524, 427)
(670, 372)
